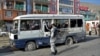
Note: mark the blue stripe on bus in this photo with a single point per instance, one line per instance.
(42, 41)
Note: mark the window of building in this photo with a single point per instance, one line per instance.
(19, 5)
(8, 13)
(53, 7)
(38, 7)
(66, 2)
(42, 8)
(60, 9)
(9, 4)
(30, 25)
(45, 8)
(66, 10)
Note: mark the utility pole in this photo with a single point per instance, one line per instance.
(29, 6)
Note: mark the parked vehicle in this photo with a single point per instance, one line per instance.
(3, 33)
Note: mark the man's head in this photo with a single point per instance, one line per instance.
(53, 25)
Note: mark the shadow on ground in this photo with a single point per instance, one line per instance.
(89, 38)
(5, 49)
(67, 49)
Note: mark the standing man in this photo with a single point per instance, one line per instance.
(99, 29)
(90, 29)
(53, 39)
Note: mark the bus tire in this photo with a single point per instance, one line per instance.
(69, 41)
(30, 46)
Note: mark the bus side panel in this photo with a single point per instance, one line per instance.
(30, 34)
(76, 33)
(42, 41)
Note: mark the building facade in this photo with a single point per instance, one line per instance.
(12, 8)
(90, 18)
(94, 8)
(84, 10)
(66, 6)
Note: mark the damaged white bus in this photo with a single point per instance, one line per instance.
(30, 31)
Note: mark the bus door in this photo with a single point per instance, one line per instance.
(46, 24)
(62, 25)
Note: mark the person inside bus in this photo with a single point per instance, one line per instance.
(23, 26)
(28, 24)
(53, 39)
(58, 25)
(34, 25)
(65, 24)
(47, 27)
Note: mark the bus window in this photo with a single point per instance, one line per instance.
(15, 27)
(23, 26)
(30, 25)
(15, 24)
(62, 23)
(73, 23)
(35, 25)
(66, 24)
(79, 22)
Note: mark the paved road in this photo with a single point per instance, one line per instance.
(89, 47)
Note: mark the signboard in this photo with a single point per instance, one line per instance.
(84, 8)
(76, 6)
(53, 7)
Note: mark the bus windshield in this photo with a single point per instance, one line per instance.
(15, 27)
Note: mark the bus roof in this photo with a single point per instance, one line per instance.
(48, 16)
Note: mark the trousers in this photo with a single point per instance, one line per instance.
(52, 44)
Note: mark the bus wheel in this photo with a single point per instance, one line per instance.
(69, 41)
(30, 46)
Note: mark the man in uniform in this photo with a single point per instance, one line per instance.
(53, 39)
